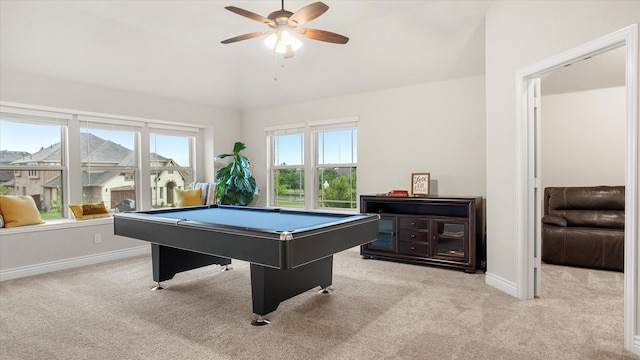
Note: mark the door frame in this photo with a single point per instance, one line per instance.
(526, 160)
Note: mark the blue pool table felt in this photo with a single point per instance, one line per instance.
(279, 221)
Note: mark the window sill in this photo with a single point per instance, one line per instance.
(58, 224)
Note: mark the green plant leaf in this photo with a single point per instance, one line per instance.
(236, 185)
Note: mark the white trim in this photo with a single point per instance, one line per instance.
(32, 111)
(29, 270)
(89, 114)
(501, 284)
(57, 224)
(104, 122)
(165, 129)
(348, 119)
(629, 37)
(285, 128)
(636, 345)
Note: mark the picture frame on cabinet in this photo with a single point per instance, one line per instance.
(420, 183)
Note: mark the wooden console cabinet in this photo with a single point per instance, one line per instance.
(432, 230)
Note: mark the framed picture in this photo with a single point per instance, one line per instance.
(420, 183)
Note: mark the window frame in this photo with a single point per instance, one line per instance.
(169, 130)
(317, 127)
(72, 121)
(310, 159)
(272, 132)
(111, 124)
(33, 171)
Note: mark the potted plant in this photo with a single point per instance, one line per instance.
(235, 184)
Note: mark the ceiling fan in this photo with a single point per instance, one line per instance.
(283, 23)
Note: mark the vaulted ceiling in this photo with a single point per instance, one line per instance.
(172, 49)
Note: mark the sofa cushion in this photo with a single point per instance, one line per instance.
(554, 220)
(586, 198)
(583, 247)
(597, 206)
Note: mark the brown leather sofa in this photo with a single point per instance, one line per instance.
(584, 226)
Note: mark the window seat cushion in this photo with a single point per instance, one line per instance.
(89, 211)
(19, 210)
(191, 197)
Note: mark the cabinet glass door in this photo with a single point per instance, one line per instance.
(450, 239)
(386, 232)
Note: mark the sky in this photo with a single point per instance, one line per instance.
(31, 138)
(335, 146)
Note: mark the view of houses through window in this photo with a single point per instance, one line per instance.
(171, 170)
(33, 167)
(33, 162)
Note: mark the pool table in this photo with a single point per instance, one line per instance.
(289, 252)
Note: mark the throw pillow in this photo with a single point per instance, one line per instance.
(89, 211)
(208, 192)
(19, 210)
(191, 197)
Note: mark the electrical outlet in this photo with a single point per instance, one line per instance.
(97, 238)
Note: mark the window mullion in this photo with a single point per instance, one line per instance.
(143, 142)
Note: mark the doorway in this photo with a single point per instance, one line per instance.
(529, 185)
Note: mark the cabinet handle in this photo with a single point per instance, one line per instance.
(413, 223)
(413, 235)
(413, 248)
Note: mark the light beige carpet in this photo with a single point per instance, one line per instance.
(379, 310)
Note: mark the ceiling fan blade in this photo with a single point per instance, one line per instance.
(322, 35)
(307, 13)
(244, 37)
(250, 15)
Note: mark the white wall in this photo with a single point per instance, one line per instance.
(436, 128)
(519, 34)
(32, 250)
(24, 249)
(44, 91)
(583, 138)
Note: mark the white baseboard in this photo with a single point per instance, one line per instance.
(42, 268)
(635, 346)
(501, 284)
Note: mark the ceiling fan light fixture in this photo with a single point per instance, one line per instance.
(271, 41)
(283, 42)
(283, 23)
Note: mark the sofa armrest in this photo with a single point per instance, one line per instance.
(554, 220)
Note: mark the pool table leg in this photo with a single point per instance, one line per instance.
(269, 287)
(168, 261)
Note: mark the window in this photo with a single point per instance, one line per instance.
(60, 157)
(336, 160)
(287, 168)
(31, 149)
(108, 160)
(171, 161)
(332, 161)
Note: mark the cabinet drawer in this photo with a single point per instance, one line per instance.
(413, 223)
(413, 235)
(413, 248)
